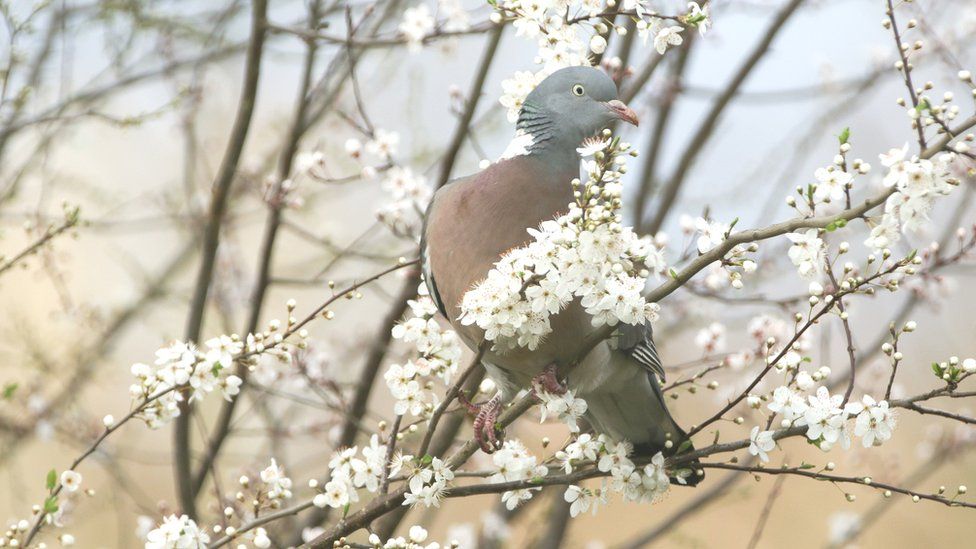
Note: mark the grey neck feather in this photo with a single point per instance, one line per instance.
(555, 145)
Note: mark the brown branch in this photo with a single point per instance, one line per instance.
(811, 320)
(766, 511)
(689, 509)
(89, 451)
(380, 506)
(840, 480)
(211, 239)
(71, 220)
(933, 411)
(364, 385)
(849, 336)
(906, 72)
(272, 225)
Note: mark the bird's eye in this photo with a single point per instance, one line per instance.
(578, 90)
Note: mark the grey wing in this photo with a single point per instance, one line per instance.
(638, 343)
(425, 261)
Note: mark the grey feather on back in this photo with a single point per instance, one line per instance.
(638, 343)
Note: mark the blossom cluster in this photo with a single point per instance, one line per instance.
(917, 182)
(513, 462)
(177, 531)
(565, 407)
(586, 253)
(348, 473)
(438, 353)
(826, 418)
(277, 485)
(807, 252)
(428, 482)
(418, 23)
(710, 233)
(568, 33)
(181, 364)
(633, 483)
(182, 367)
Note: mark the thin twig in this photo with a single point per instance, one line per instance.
(766, 511)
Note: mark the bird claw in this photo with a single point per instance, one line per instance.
(548, 380)
(485, 423)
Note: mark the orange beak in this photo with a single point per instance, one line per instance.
(623, 112)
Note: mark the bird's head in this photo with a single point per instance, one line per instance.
(571, 105)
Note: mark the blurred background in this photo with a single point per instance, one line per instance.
(124, 109)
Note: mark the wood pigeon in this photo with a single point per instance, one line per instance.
(472, 221)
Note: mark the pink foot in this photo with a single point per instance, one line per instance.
(484, 424)
(549, 381)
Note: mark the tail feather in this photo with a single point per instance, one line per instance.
(631, 406)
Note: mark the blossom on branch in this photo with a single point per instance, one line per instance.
(177, 533)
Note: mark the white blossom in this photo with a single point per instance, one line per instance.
(917, 183)
(761, 442)
(826, 420)
(456, 17)
(417, 23)
(515, 90)
(177, 533)
(667, 36)
(788, 404)
(874, 423)
(71, 480)
(831, 184)
(712, 233)
(438, 354)
(698, 17)
(711, 338)
(566, 407)
(513, 462)
(580, 500)
(277, 484)
(807, 252)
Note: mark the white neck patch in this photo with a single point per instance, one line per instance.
(519, 146)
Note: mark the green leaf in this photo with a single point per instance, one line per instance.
(427, 459)
(841, 223)
(683, 447)
(845, 134)
(9, 389)
(536, 480)
(52, 479)
(831, 227)
(673, 274)
(51, 504)
(936, 369)
(806, 465)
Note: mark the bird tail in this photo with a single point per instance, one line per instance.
(631, 406)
